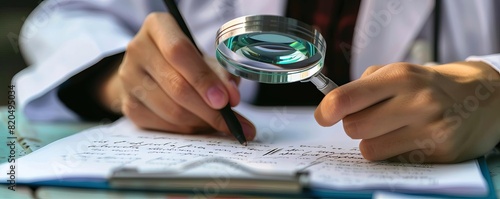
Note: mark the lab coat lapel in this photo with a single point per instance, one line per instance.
(386, 28)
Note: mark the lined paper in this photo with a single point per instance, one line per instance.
(287, 140)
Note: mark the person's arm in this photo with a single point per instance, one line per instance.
(164, 83)
(161, 83)
(61, 39)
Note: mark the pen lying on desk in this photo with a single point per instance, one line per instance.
(232, 122)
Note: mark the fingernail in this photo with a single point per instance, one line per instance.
(248, 130)
(216, 97)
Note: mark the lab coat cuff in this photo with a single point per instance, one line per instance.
(47, 108)
(71, 57)
(492, 60)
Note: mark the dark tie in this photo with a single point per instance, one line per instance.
(336, 20)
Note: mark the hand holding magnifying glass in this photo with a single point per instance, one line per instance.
(274, 50)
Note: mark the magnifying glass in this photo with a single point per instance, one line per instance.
(273, 49)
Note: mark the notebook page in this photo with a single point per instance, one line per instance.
(288, 139)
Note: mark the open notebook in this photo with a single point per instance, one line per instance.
(288, 140)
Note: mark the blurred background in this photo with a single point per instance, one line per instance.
(12, 16)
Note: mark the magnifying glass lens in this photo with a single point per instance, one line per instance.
(271, 48)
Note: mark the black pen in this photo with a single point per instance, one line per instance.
(232, 122)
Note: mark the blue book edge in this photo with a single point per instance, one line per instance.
(103, 184)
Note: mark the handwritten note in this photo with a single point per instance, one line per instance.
(298, 143)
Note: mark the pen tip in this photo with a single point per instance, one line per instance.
(244, 143)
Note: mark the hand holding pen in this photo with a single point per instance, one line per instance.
(164, 83)
(227, 113)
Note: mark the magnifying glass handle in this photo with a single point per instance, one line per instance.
(323, 83)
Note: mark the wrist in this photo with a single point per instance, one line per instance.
(467, 71)
(82, 92)
(110, 90)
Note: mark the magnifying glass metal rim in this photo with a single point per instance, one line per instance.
(269, 24)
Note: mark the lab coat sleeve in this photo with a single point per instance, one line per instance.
(493, 60)
(59, 39)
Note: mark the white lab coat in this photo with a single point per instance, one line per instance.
(63, 37)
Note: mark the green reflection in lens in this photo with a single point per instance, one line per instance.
(271, 48)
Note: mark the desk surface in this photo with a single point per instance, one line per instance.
(36, 135)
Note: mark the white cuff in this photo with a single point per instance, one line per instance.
(492, 60)
(49, 108)
(37, 84)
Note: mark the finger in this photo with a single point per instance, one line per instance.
(362, 93)
(174, 120)
(146, 90)
(173, 83)
(438, 143)
(385, 117)
(389, 145)
(144, 118)
(180, 53)
(371, 70)
(227, 78)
